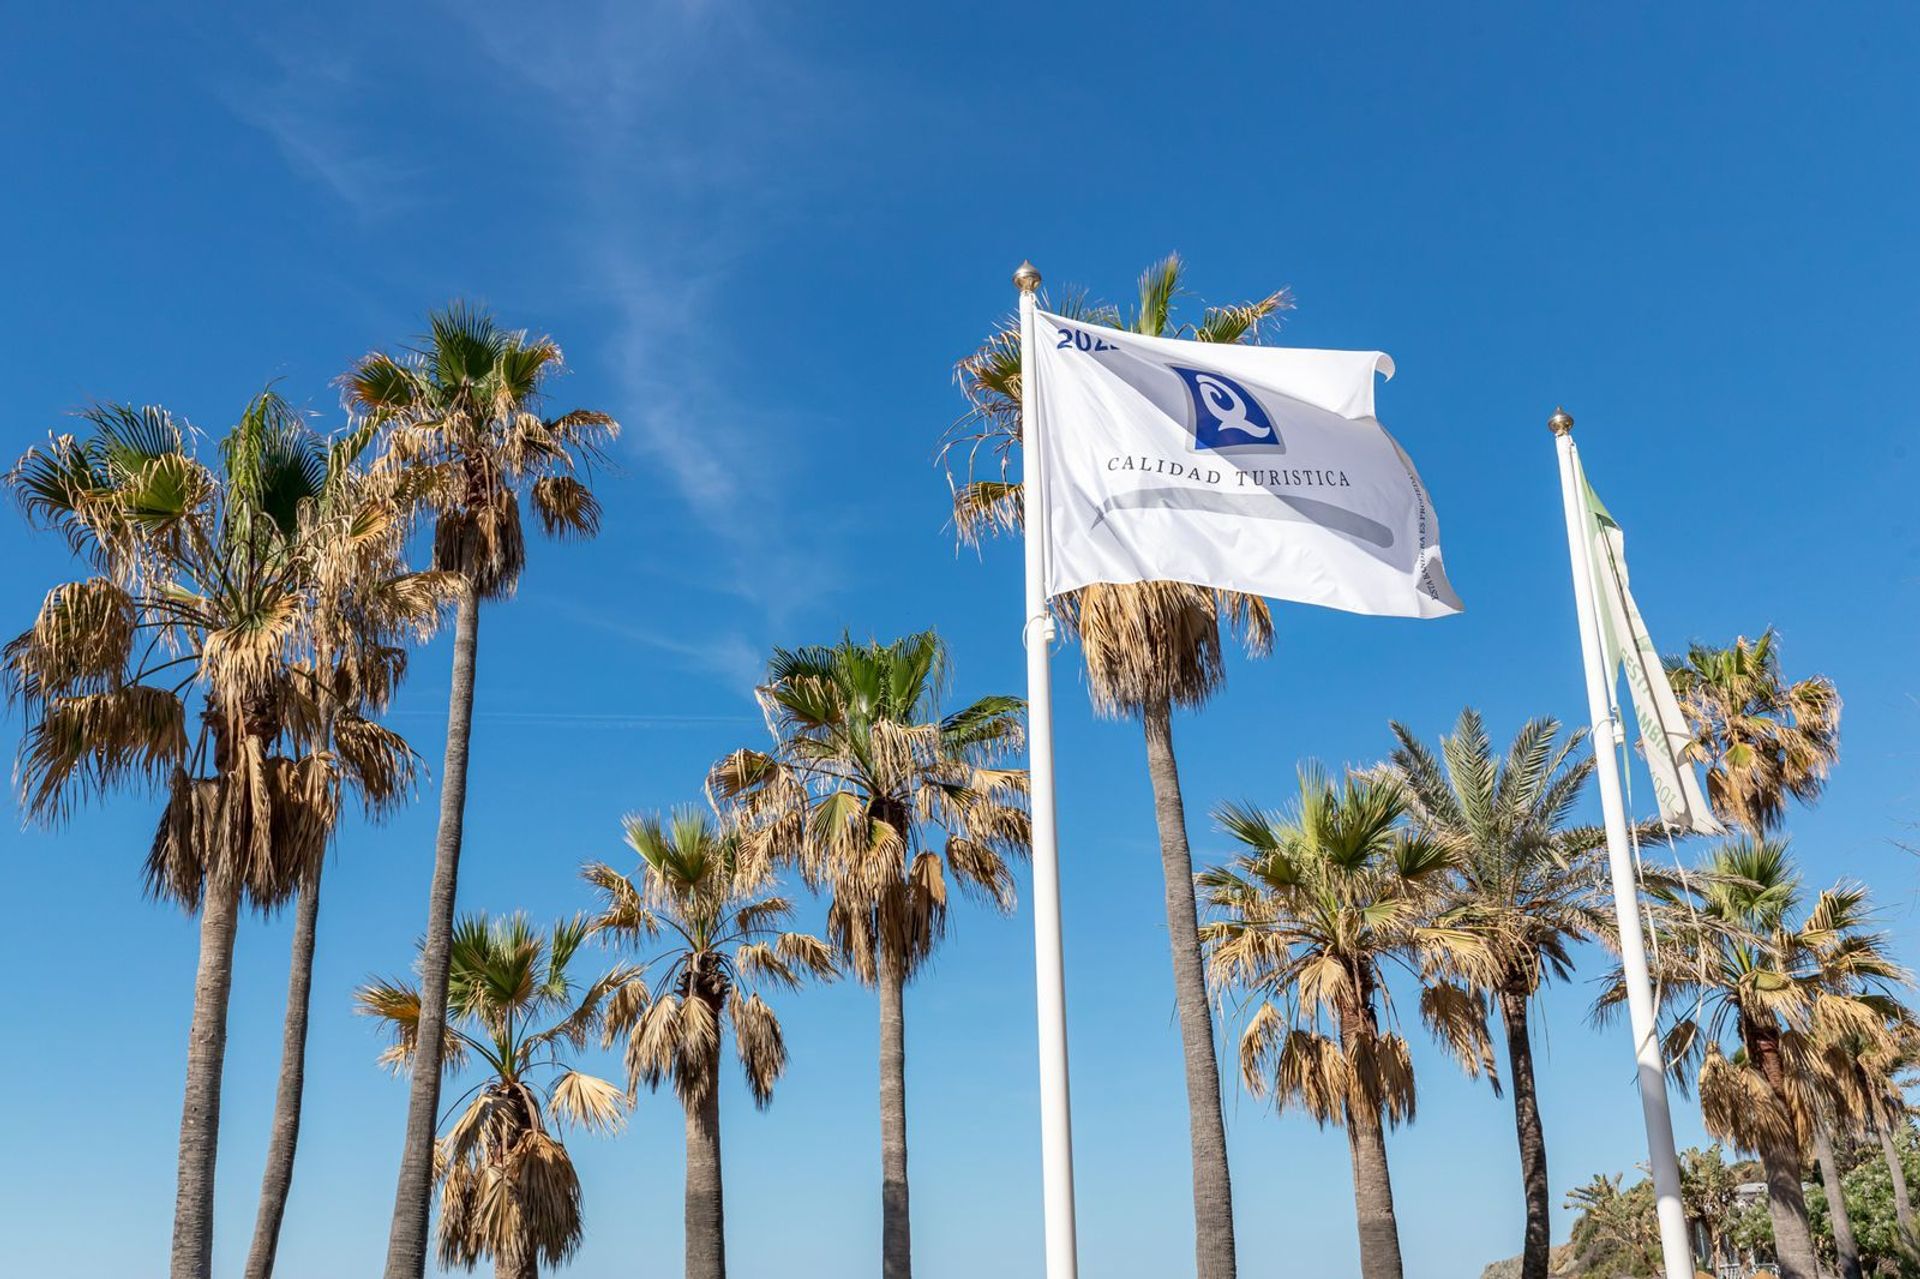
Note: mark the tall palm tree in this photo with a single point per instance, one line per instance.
(1327, 897)
(508, 1190)
(1763, 739)
(174, 668)
(1149, 647)
(1749, 984)
(724, 931)
(878, 798)
(1526, 883)
(363, 605)
(461, 422)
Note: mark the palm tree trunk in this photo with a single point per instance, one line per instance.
(1844, 1246)
(1538, 1242)
(412, 1200)
(277, 1181)
(1902, 1201)
(1787, 1207)
(1780, 1160)
(706, 1214)
(1212, 1187)
(896, 1241)
(206, 1055)
(1373, 1198)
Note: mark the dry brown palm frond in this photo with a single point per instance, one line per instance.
(92, 742)
(758, 1041)
(587, 1100)
(80, 643)
(1265, 1031)
(1311, 1072)
(1457, 1017)
(1147, 644)
(1740, 1107)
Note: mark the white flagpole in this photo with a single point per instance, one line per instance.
(1626, 889)
(1049, 965)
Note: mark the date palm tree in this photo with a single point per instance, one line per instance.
(1308, 919)
(508, 1190)
(723, 925)
(461, 422)
(175, 668)
(1751, 984)
(1526, 883)
(1762, 738)
(1149, 647)
(879, 799)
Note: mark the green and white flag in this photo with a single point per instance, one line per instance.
(1663, 729)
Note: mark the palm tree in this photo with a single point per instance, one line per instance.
(723, 924)
(1750, 990)
(508, 1191)
(1149, 647)
(460, 422)
(1325, 898)
(1616, 1231)
(1762, 739)
(1860, 1069)
(1525, 884)
(878, 798)
(363, 605)
(175, 667)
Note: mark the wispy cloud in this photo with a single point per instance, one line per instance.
(730, 658)
(663, 143)
(689, 130)
(304, 106)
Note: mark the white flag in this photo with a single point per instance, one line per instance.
(1249, 468)
(1663, 730)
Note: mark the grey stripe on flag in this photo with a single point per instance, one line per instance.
(1265, 505)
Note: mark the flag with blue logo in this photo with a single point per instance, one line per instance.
(1250, 468)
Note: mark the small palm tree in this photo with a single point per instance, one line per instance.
(1751, 985)
(1764, 740)
(1616, 1231)
(461, 425)
(1149, 647)
(184, 665)
(508, 1191)
(1526, 884)
(1309, 918)
(724, 932)
(878, 798)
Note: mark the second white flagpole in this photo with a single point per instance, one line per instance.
(1049, 966)
(1661, 1158)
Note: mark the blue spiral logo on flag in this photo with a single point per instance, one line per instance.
(1227, 415)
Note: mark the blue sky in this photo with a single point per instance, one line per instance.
(762, 238)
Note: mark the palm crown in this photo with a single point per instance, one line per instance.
(1525, 881)
(1756, 984)
(865, 775)
(1326, 897)
(461, 423)
(724, 936)
(1762, 738)
(270, 593)
(508, 1187)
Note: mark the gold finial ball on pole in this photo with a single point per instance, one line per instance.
(1027, 277)
(1561, 422)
